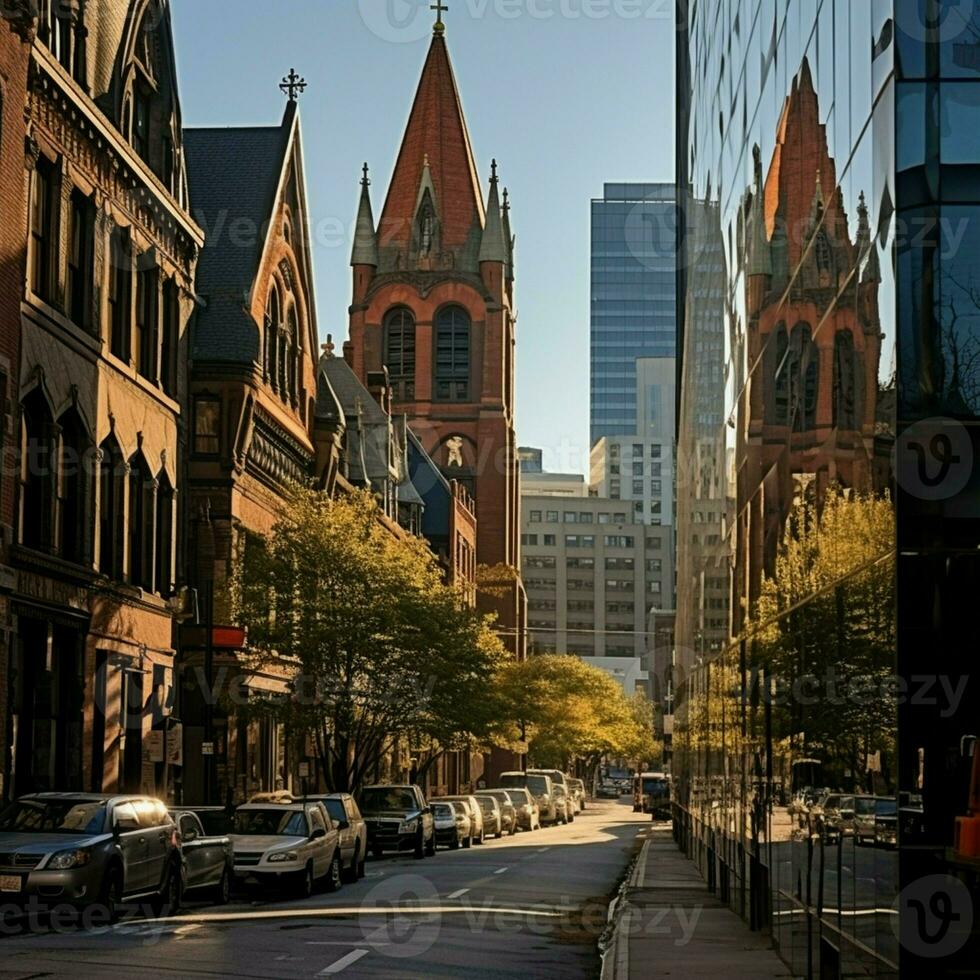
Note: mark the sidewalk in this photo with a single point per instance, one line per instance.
(669, 924)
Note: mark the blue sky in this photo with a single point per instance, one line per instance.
(566, 94)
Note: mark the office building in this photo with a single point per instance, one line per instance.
(632, 296)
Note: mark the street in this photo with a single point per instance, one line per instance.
(517, 907)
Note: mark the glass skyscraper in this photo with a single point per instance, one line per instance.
(633, 299)
(828, 495)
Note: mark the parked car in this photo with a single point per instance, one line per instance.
(352, 829)
(90, 848)
(864, 819)
(608, 791)
(508, 808)
(452, 823)
(566, 808)
(493, 817)
(398, 818)
(557, 777)
(541, 789)
(475, 813)
(525, 805)
(581, 793)
(886, 821)
(208, 860)
(294, 844)
(651, 794)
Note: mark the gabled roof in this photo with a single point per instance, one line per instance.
(436, 130)
(236, 176)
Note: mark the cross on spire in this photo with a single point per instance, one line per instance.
(493, 169)
(292, 85)
(365, 180)
(328, 348)
(440, 9)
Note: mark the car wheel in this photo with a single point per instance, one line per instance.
(467, 842)
(454, 844)
(110, 898)
(222, 891)
(305, 882)
(513, 829)
(167, 901)
(499, 834)
(335, 877)
(481, 838)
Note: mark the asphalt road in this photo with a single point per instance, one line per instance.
(524, 906)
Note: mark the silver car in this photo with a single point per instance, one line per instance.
(90, 850)
(493, 817)
(475, 813)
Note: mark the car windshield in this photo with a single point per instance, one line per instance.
(486, 803)
(379, 798)
(336, 809)
(499, 795)
(282, 823)
(443, 810)
(655, 787)
(885, 808)
(33, 816)
(864, 805)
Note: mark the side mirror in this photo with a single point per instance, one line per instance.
(318, 832)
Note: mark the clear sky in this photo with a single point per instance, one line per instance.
(566, 94)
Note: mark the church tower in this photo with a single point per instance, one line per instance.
(433, 306)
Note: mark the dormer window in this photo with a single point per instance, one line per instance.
(141, 121)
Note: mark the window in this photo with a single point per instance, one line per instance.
(531, 539)
(654, 587)
(655, 486)
(614, 469)
(207, 425)
(37, 465)
(654, 452)
(588, 541)
(141, 120)
(580, 563)
(584, 518)
(112, 474)
(535, 517)
(654, 469)
(604, 517)
(619, 518)
(571, 540)
(142, 514)
(619, 584)
(654, 564)
(618, 541)
(570, 517)
(549, 540)
(452, 367)
(619, 563)
(539, 561)
(164, 535)
(399, 340)
(845, 412)
(656, 507)
(170, 337)
(620, 607)
(580, 605)
(147, 343)
(81, 259)
(637, 451)
(73, 490)
(614, 451)
(120, 292)
(552, 517)
(638, 469)
(638, 487)
(273, 315)
(292, 356)
(654, 544)
(42, 210)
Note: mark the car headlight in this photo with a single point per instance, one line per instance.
(64, 860)
(280, 856)
(408, 826)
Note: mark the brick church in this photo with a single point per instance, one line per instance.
(433, 307)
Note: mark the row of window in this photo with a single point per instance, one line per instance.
(586, 541)
(59, 469)
(143, 309)
(637, 448)
(576, 517)
(451, 368)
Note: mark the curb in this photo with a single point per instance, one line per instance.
(616, 962)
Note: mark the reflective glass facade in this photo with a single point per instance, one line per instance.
(633, 296)
(827, 504)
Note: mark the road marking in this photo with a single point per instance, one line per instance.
(500, 871)
(541, 850)
(345, 961)
(459, 893)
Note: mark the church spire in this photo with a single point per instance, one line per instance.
(365, 251)
(508, 236)
(436, 132)
(493, 247)
(866, 245)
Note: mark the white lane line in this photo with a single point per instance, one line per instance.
(345, 961)
(541, 850)
(459, 893)
(500, 871)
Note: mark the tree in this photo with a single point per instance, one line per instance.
(381, 647)
(572, 710)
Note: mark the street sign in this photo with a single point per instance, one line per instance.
(207, 748)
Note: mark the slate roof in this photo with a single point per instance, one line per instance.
(233, 175)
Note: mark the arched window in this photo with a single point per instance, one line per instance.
(777, 385)
(37, 472)
(294, 354)
(112, 491)
(273, 314)
(803, 366)
(452, 354)
(845, 381)
(399, 341)
(142, 519)
(74, 489)
(164, 534)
